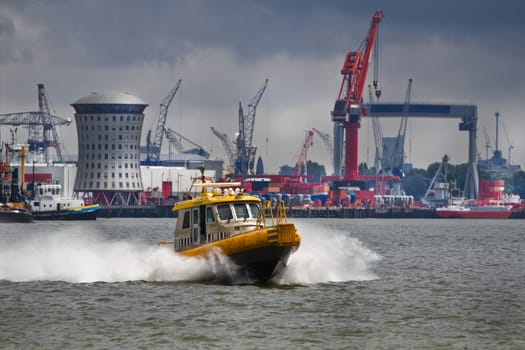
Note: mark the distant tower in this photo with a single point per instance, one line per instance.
(109, 126)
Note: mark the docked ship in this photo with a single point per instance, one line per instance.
(473, 211)
(13, 204)
(239, 226)
(49, 204)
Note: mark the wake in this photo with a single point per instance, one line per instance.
(86, 257)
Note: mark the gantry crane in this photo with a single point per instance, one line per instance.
(347, 109)
(42, 127)
(154, 147)
(242, 159)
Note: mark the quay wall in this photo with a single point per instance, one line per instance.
(164, 211)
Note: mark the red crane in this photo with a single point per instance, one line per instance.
(347, 110)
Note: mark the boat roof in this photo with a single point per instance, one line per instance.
(219, 193)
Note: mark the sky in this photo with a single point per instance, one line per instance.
(459, 52)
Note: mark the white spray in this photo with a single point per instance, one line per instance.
(82, 257)
(328, 256)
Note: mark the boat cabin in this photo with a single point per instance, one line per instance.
(48, 190)
(48, 197)
(217, 216)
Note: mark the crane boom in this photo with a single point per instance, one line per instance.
(327, 142)
(174, 139)
(32, 118)
(399, 151)
(227, 144)
(155, 148)
(378, 136)
(347, 108)
(509, 141)
(48, 126)
(250, 117)
(301, 160)
(487, 143)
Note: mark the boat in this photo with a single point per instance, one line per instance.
(10, 213)
(49, 204)
(239, 226)
(471, 210)
(13, 205)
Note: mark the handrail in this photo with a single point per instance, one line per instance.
(280, 215)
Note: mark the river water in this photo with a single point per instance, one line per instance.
(353, 284)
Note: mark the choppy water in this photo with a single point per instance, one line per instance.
(354, 284)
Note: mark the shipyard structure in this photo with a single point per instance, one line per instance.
(109, 125)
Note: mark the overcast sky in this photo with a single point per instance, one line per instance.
(455, 51)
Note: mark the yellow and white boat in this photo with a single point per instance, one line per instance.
(240, 226)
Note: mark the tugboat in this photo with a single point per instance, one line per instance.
(239, 226)
(48, 204)
(13, 205)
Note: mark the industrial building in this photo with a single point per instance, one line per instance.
(109, 126)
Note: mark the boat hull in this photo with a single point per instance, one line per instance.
(15, 216)
(262, 264)
(261, 254)
(473, 214)
(81, 213)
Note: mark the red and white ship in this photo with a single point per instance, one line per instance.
(469, 210)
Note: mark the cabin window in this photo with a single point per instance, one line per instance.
(186, 220)
(225, 212)
(241, 211)
(209, 215)
(254, 208)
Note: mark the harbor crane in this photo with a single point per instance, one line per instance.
(395, 155)
(488, 145)
(301, 160)
(242, 159)
(50, 137)
(347, 111)
(390, 152)
(174, 138)
(228, 146)
(42, 127)
(246, 150)
(154, 147)
(378, 137)
(509, 141)
(327, 142)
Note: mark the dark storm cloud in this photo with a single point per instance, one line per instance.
(10, 50)
(456, 51)
(121, 32)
